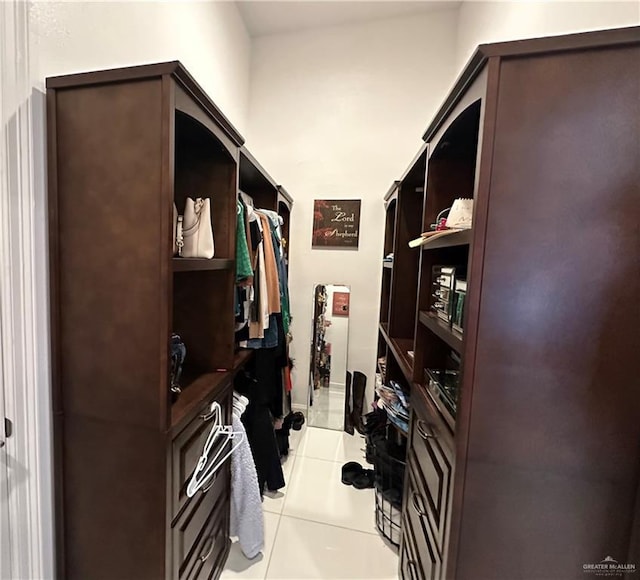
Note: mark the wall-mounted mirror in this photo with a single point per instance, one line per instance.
(329, 345)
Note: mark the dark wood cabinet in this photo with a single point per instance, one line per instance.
(536, 471)
(124, 146)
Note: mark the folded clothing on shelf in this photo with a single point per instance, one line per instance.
(396, 404)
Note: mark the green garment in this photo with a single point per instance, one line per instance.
(243, 262)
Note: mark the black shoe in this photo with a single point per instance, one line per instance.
(350, 471)
(365, 479)
(297, 421)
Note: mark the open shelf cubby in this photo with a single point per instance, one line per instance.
(265, 193)
(205, 168)
(452, 164)
(203, 288)
(409, 206)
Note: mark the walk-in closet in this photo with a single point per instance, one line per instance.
(319, 290)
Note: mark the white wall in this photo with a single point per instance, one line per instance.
(209, 38)
(339, 113)
(481, 22)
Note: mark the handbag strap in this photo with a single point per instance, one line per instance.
(179, 234)
(197, 208)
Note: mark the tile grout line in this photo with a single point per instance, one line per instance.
(343, 460)
(374, 533)
(293, 468)
(273, 547)
(275, 534)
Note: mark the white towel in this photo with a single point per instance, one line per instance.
(247, 521)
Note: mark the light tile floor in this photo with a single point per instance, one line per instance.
(316, 527)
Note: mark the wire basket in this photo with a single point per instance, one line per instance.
(389, 465)
(388, 519)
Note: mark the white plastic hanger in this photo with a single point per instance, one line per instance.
(207, 466)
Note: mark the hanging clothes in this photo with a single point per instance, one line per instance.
(262, 323)
(247, 520)
(258, 384)
(271, 267)
(284, 286)
(244, 267)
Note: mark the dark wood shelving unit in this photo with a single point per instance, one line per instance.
(524, 376)
(124, 449)
(113, 312)
(441, 330)
(194, 264)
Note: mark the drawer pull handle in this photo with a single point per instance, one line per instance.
(204, 557)
(418, 504)
(413, 570)
(420, 426)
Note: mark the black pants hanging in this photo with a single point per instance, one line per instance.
(265, 403)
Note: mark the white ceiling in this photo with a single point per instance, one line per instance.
(263, 17)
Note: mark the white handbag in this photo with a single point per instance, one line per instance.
(193, 231)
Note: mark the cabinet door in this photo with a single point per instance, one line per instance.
(212, 546)
(431, 451)
(205, 515)
(409, 568)
(427, 547)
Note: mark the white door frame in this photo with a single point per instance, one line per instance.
(5, 529)
(24, 312)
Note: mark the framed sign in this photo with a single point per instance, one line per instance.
(340, 305)
(336, 223)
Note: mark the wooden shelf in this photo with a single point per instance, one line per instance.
(400, 348)
(206, 386)
(461, 238)
(441, 330)
(193, 264)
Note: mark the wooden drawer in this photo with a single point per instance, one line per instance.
(186, 534)
(427, 547)
(186, 449)
(409, 567)
(212, 546)
(431, 451)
